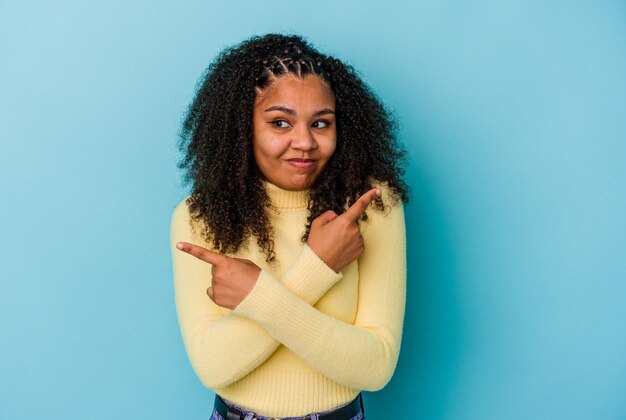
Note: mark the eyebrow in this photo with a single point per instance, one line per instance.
(290, 111)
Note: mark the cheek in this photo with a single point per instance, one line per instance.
(329, 147)
(266, 150)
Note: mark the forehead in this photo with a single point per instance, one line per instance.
(292, 90)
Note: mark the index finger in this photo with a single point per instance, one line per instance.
(201, 253)
(356, 210)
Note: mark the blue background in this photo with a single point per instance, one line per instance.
(514, 113)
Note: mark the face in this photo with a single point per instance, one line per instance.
(294, 130)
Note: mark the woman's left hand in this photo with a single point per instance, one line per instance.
(231, 278)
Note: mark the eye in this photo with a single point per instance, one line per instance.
(280, 123)
(321, 124)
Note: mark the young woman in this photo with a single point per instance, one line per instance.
(289, 253)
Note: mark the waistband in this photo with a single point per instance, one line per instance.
(230, 411)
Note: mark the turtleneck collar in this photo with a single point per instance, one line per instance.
(285, 199)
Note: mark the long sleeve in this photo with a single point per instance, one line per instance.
(361, 355)
(223, 346)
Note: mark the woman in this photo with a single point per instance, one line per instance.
(290, 295)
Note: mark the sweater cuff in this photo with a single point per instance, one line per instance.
(309, 277)
(264, 295)
(270, 304)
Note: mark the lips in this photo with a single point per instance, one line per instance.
(301, 163)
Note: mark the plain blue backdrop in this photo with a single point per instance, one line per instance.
(514, 114)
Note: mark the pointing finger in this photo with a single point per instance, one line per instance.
(356, 210)
(201, 253)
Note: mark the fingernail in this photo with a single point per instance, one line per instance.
(377, 192)
(179, 245)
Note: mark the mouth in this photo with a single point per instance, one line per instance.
(301, 163)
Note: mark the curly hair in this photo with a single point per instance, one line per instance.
(217, 130)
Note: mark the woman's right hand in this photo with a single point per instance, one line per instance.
(337, 239)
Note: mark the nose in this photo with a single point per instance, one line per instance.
(303, 139)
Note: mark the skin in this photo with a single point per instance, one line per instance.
(294, 130)
(294, 137)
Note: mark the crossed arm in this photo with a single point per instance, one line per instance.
(224, 347)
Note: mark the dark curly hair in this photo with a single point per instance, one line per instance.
(217, 131)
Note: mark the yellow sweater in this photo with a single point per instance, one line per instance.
(305, 339)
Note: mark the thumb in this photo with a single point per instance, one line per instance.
(209, 292)
(326, 217)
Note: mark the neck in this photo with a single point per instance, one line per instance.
(285, 199)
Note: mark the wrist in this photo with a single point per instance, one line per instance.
(326, 259)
